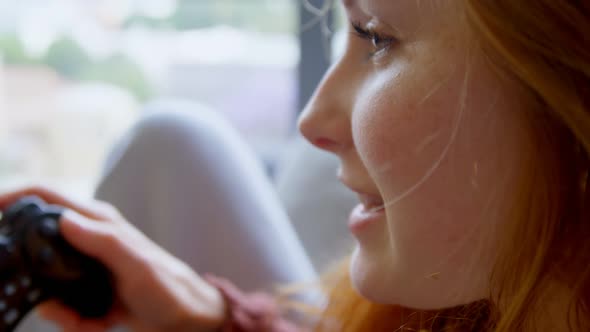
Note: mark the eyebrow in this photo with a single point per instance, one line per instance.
(347, 3)
(370, 9)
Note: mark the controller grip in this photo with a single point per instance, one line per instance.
(35, 251)
(76, 279)
(91, 295)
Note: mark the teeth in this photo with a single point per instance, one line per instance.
(371, 202)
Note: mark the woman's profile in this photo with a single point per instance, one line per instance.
(464, 128)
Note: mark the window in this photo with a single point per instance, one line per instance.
(75, 74)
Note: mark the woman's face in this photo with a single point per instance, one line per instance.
(425, 129)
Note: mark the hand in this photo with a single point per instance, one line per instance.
(155, 291)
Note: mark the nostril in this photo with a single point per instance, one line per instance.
(326, 144)
(325, 128)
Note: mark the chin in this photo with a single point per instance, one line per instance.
(370, 279)
(367, 280)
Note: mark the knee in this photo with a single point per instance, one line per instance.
(165, 133)
(174, 125)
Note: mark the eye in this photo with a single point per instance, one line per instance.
(381, 42)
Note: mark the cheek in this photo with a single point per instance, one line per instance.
(405, 125)
(401, 137)
(445, 169)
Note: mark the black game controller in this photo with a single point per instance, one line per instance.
(36, 264)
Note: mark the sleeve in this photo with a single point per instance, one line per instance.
(250, 312)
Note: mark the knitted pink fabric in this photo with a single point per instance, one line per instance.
(250, 312)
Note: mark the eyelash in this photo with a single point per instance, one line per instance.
(381, 43)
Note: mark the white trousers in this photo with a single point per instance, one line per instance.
(187, 180)
(184, 177)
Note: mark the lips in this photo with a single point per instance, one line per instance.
(370, 211)
(371, 202)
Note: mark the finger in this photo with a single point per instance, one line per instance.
(68, 319)
(50, 197)
(83, 325)
(81, 329)
(101, 240)
(53, 311)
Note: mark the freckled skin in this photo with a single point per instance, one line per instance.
(430, 115)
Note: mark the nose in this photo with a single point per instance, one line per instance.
(325, 121)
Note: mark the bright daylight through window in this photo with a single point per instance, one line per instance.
(74, 75)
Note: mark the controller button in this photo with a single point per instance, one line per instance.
(49, 227)
(11, 316)
(25, 282)
(33, 295)
(10, 289)
(6, 256)
(2, 305)
(47, 255)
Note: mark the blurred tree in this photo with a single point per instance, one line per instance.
(258, 15)
(66, 57)
(13, 51)
(193, 14)
(121, 71)
(154, 23)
